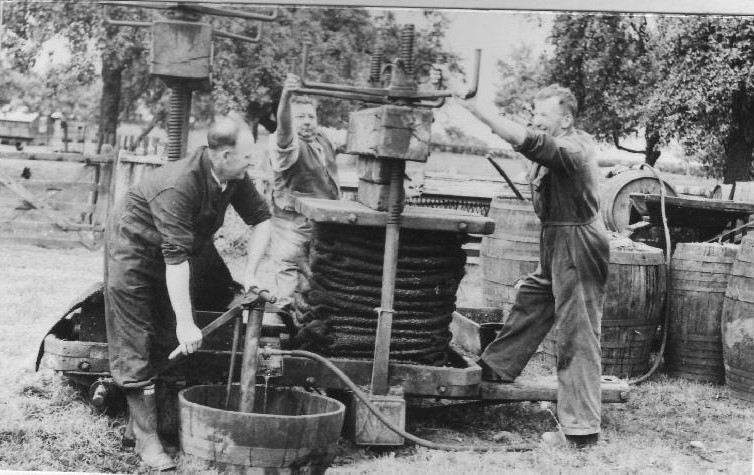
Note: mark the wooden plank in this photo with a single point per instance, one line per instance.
(545, 388)
(465, 334)
(75, 208)
(30, 225)
(102, 196)
(43, 185)
(56, 217)
(445, 381)
(351, 212)
(34, 240)
(54, 157)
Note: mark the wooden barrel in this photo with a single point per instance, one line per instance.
(632, 313)
(738, 323)
(295, 431)
(615, 205)
(698, 280)
(511, 252)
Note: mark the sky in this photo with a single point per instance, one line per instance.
(495, 32)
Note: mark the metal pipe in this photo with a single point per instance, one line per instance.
(234, 351)
(251, 359)
(389, 269)
(180, 107)
(248, 39)
(386, 420)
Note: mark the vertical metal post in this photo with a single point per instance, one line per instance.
(380, 383)
(178, 122)
(251, 359)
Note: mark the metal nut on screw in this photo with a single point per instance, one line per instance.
(85, 366)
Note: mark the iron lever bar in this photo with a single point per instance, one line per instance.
(196, 8)
(380, 95)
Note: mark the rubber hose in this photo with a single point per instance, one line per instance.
(667, 279)
(417, 440)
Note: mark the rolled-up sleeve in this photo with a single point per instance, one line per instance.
(248, 203)
(565, 153)
(282, 159)
(173, 217)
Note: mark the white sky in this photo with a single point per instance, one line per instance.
(495, 32)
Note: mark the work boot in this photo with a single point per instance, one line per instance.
(558, 439)
(129, 439)
(143, 411)
(488, 374)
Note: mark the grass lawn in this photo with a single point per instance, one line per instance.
(668, 426)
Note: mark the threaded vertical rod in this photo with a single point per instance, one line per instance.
(380, 381)
(375, 69)
(407, 48)
(178, 121)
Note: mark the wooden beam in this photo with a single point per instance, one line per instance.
(351, 212)
(55, 157)
(545, 388)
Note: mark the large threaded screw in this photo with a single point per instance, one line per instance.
(180, 107)
(407, 48)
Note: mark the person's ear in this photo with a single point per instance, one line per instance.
(567, 120)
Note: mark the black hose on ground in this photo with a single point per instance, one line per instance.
(365, 399)
(667, 278)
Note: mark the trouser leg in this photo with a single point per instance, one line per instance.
(530, 319)
(579, 275)
(289, 237)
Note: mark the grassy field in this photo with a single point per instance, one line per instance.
(668, 426)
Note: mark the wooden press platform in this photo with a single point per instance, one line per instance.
(355, 213)
(691, 211)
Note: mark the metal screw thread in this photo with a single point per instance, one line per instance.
(180, 105)
(395, 206)
(407, 48)
(375, 70)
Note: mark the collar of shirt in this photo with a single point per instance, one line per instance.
(222, 185)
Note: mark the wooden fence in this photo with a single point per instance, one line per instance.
(62, 199)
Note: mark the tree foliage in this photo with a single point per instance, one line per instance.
(247, 77)
(606, 61)
(705, 94)
(522, 75)
(686, 78)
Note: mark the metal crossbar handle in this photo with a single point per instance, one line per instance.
(388, 95)
(195, 7)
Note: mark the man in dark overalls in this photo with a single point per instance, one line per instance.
(161, 263)
(568, 287)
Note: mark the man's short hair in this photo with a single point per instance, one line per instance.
(566, 99)
(300, 99)
(223, 132)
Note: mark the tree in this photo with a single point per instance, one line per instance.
(98, 50)
(247, 77)
(251, 78)
(522, 75)
(705, 94)
(605, 60)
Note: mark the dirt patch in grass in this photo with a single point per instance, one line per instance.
(668, 426)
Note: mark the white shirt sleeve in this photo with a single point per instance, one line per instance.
(337, 137)
(282, 159)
